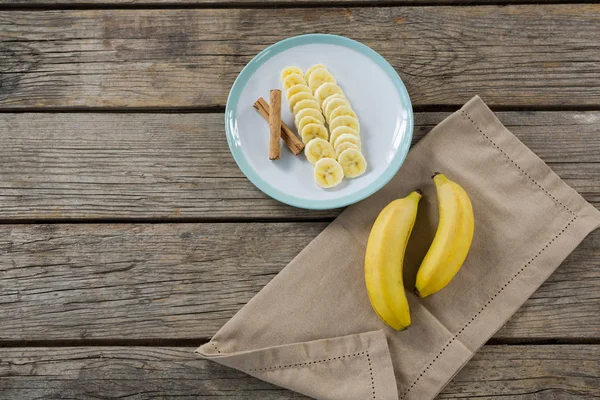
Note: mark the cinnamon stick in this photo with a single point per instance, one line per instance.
(275, 125)
(289, 138)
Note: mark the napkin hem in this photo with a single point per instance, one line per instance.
(535, 182)
(487, 124)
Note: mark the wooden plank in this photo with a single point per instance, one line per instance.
(173, 166)
(244, 3)
(524, 372)
(529, 372)
(190, 58)
(182, 281)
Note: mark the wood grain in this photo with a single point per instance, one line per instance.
(174, 166)
(524, 372)
(245, 3)
(181, 281)
(190, 58)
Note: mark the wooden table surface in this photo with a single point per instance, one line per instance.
(128, 235)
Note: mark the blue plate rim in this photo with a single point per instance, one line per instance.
(276, 48)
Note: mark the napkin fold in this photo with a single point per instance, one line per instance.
(312, 328)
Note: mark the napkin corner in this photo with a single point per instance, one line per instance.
(320, 368)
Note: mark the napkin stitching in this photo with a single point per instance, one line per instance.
(215, 346)
(474, 317)
(517, 165)
(324, 360)
(283, 366)
(371, 374)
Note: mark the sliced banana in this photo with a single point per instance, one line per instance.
(299, 97)
(334, 96)
(347, 138)
(287, 71)
(314, 97)
(311, 69)
(345, 120)
(309, 112)
(304, 104)
(340, 130)
(294, 90)
(353, 163)
(318, 148)
(333, 102)
(328, 173)
(341, 111)
(293, 79)
(318, 77)
(326, 90)
(305, 121)
(344, 146)
(313, 131)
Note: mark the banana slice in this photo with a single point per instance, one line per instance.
(309, 112)
(326, 90)
(344, 146)
(307, 120)
(347, 138)
(333, 102)
(341, 111)
(299, 97)
(313, 131)
(311, 69)
(334, 96)
(287, 71)
(340, 130)
(300, 88)
(318, 148)
(345, 120)
(318, 77)
(328, 173)
(293, 79)
(304, 104)
(353, 163)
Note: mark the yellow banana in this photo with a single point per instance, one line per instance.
(452, 239)
(384, 260)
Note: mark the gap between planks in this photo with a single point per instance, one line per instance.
(153, 342)
(188, 342)
(153, 220)
(429, 108)
(219, 4)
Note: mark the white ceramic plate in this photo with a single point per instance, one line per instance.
(375, 92)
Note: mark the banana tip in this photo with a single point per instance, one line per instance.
(419, 191)
(435, 174)
(416, 292)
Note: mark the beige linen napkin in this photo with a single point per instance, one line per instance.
(312, 328)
